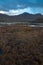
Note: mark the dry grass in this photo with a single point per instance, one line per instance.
(21, 45)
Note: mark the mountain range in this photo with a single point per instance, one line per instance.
(24, 17)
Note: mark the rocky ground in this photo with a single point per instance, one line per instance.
(21, 45)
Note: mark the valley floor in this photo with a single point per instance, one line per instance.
(23, 23)
(21, 45)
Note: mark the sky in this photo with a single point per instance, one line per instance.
(15, 7)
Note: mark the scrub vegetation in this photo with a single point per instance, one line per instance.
(21, 45)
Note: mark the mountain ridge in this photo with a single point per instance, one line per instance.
(24, 17)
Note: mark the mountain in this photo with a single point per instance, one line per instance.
(24, 17)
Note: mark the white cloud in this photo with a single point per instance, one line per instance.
(19, 6)
(3, 12)
(20, 11)
(14, 12)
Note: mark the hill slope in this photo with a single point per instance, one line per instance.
(25, 17)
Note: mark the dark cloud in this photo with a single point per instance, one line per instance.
(15, 4)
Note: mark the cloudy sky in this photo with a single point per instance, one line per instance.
(15, 7)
